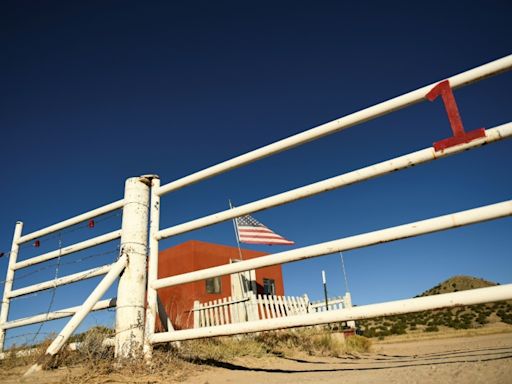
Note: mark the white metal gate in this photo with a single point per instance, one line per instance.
(461, 141)
(141, 206)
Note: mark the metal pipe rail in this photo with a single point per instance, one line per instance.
(61, 281)
(367, 114)
(9, 280)
(59, 314)
(69, 249)
(72, 221)
(85, 308)
(470, 297)
(362, 174)
(151, 294)
(389, 234)
(471, 216)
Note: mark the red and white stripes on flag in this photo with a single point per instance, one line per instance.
(251, 231)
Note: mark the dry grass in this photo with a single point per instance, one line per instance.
(93, 362)
(221, 348)
(313, 341)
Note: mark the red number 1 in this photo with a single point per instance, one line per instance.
(459, 135)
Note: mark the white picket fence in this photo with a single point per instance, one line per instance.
(332, 305)
(229, 310)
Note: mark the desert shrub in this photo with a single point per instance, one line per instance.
(370, 332)
(505, 316)
(397, 329)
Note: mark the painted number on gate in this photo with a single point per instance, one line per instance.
(460, 136)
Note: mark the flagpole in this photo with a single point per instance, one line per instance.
(344, 273)
(236, 233)
(240, 279)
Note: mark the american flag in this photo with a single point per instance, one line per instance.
(251, 231)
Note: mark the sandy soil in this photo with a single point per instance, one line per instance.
(478, 359)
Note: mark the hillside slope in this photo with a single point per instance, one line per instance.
(458, 283)
(473, 316)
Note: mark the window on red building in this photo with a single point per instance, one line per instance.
(269, 286)
(213, 285)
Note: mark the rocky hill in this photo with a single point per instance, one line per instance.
(473, 316)
(458, 283)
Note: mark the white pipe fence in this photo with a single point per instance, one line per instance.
(76, 313)
(131, 290)
(425, 155)
(446, 300)
(152, 297)
(9, 280)
(135, 322)
(72, 221)
(462, 79)
(86, 307)
(61, 281)
(59, 314)
(69, 249)
(454, 220)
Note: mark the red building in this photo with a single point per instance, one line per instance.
(194, 255)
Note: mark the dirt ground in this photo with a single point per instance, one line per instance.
(477, 359)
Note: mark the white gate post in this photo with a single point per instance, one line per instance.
(152, 301)
(13, 256)
(131, 292)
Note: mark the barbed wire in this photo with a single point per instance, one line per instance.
(34, 335)
(78, 278)
(80, 226)
(73, 228)
(28, 274)
(26, 335)
(52, 297)
(58, 266)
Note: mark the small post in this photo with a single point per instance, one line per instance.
(324, 281)
(196, 314)
(307, 303)
(131, 291)
(13, 256)
(347, 303)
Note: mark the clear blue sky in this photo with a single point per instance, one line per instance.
(97, 92)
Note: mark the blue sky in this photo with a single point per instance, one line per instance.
(97, 92)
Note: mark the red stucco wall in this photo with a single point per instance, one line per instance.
(195, 255)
